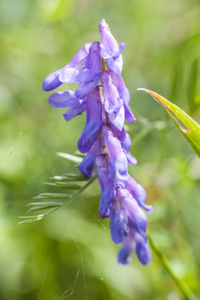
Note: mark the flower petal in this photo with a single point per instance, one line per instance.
(74, 111)
(109, 45)
(93, 121)
(124, 255)
(115, 64)
(118, 223)
(79, 59)
(87, 165)
(86, 87)
(69, 75)
(117, 157)
(117, 118)
(86, 76)
(93, 61)
(142, 250)
(64, 99)
(52, 81)
(137, 217)
(106, 180)
(112, 101)
(139, 193)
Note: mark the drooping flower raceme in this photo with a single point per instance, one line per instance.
(103, 95)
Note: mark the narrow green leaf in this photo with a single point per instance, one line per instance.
(187, 126)
(52, 196)
(58, 177)
(43, 205)
(77, 177)
(74, 158)
(30, 219)
(65, 185)
(70, 177)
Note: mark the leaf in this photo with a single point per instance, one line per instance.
(64, 185)
(52, 196)
(43, 205)
(74, 158)
(30, 219)
(187, 126)
(70, 177)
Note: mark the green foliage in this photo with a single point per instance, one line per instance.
(186, 125)
(63, 183)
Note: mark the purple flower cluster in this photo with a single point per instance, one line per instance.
(103, 95)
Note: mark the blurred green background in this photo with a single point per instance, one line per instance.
(70, 254)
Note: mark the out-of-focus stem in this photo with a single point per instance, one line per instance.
(181, 285)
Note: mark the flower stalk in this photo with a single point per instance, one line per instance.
(181, 285)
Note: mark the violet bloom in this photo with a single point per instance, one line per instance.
(102, 93)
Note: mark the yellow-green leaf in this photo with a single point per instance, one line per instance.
(187, 126)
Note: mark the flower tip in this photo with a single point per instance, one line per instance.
(124, 256)
(143, 253)
(104, 212)
(103, 25)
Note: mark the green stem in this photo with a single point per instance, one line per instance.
(181, 285)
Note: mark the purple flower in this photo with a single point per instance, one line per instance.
(69, 72)
(128, 226)
(90, 76)
(103, 95)
(68, 99)
(110, 50)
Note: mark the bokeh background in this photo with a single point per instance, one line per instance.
(69, 254)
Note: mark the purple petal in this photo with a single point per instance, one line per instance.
(124, 256)
(79, 59)
(109, 45)
(117, 157)
(106, 181)
(84, 88)
(142, 250)
(118, 223)
(77, 64)
(64, 99)
(74, 111)
(124, 94)
(139, 193)
(111, 96)
(125, 140)
(115, 64)
(122, 46)
(69, 72)
(68, 75)
(93, 61)
(87, 75)
(87, 165)
(117, 118)
(131, 159)
(129, 116)
(93, 121)
(137, 217)
(52, 81)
